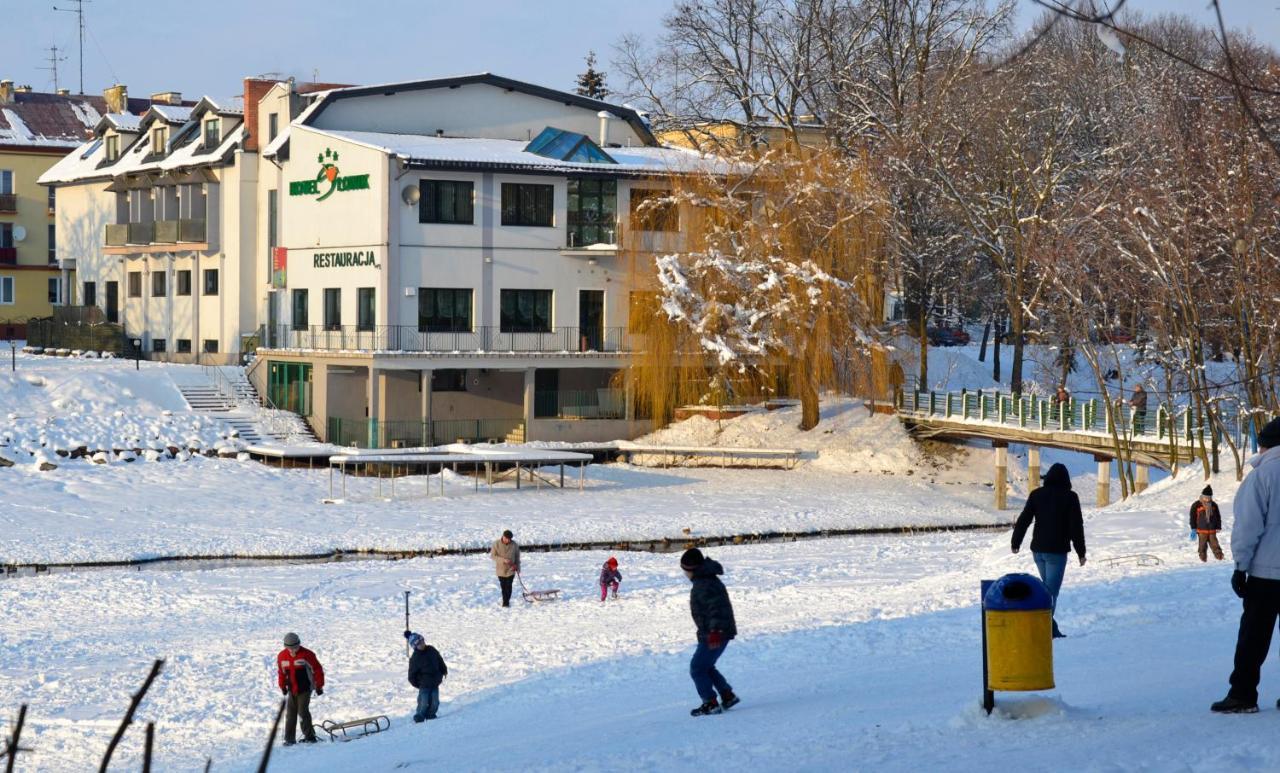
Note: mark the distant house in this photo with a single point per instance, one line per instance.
(729, 135)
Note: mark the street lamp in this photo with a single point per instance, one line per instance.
(13, 348)
(137, 354)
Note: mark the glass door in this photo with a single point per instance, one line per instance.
(590, 320)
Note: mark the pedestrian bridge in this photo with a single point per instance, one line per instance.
(1159, 438)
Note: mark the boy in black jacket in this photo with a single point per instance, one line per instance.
(713, 616)
(1206, 522)
(426, 671)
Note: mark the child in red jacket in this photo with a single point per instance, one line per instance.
(1206, 522)
(298, 672)
(610, 577)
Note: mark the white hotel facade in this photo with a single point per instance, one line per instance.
(413, 263)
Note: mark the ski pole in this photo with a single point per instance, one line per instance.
(407, 649)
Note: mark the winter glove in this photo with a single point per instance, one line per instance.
(1193, 535)
(1238, 578)
(319, 691)
(715, 639)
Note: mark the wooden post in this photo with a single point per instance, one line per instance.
(1033, 466)
(1104, 479)
(1142, 479)
(1002, 473)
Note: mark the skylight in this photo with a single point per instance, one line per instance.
(567, 146)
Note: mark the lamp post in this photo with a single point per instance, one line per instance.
(13, 348)
(137, 354)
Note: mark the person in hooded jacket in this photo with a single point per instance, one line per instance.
(426, 671)
(610, 578)
(1059, 526)
(713, 616)
(1206, 522)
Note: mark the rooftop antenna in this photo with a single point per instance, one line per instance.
(53, 65)
(79, 12)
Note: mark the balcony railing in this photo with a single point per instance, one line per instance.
(8, 256)
(407, 338)
(117, 234)
(191, 229)
(8, 202)
(142, 233)
(185, 230)
(166, 231)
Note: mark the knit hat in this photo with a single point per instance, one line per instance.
(291, 639)
(508, 534)
(1269, 437)
(415, 640)
(1207, 492)
(612, 562)
(691, 559)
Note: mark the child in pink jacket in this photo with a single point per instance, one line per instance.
(610, 577)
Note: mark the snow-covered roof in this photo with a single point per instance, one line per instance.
(172, 113)
(430, 150)
(125, 122)
(86, 162)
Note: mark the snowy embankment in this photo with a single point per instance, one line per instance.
(854, 654)
(56, 407)
(866, 473)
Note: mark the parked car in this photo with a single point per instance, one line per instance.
(948, 336)
(1115, 336)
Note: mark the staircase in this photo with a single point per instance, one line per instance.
(228, 394)
(516, 435)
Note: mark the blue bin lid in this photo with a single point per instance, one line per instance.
(1021, 592)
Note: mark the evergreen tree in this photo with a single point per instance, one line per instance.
(591, 83)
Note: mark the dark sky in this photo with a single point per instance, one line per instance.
(203, 48)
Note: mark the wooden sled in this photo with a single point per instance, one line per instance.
(537, 595)
(356, 728)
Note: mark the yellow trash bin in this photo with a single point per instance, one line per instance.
(1018, 629)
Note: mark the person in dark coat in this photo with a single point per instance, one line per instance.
(713, 616)
(1206, 522)
(1139, 404)
(1059, 526)
(426, 671)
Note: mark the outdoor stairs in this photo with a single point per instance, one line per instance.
(516, 435)
(237, 404)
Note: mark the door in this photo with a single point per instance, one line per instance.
(113, 302)
(591, 320)
(273, 320)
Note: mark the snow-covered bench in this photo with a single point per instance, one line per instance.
(725, 455)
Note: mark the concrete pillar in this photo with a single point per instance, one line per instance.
(529, 393)
(425, 377)
(1104, 479)
(1002, 474)
(377, 391)
(1142, 478)
(1033, 467)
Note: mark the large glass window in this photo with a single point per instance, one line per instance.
(593, 207)
(366, 308)
(528, 204)
(446, 201)
(6, 290)
(332, 308)
(53, 244)
(650, 212)
(6, 181)
(526, 311)
(6, 235)
(444, 310)
(113, 147)
(273, 218)
(299, 309)
(212, 133)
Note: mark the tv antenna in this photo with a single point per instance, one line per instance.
(53, 65)
(79, 12)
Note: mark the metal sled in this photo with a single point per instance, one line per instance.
(1141, 559)
(537, 595)
(356, 728)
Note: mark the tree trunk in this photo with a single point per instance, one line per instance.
(924, 349)
(995, 351)
(1015, 371)
(986, 331)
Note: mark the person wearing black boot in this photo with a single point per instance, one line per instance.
(1255, 547)
(713, 616)
(1059, 526)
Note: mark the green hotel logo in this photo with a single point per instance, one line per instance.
(328, 180)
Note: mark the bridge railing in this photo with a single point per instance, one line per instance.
(1071, 415)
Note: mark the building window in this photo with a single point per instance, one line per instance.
(53, 243)
(112, 143)
(300, 310)
(528, 204)
(211, 345)
(159, 138)
(649, 211)
(273, 126)
(6, 235)
(6, 181)
(55, 290)
(184, 345)
(158, 284)
(212, 133)
(53, 199)
(211, 281)
(593, 212)
(135, 284)
(183, 279)
(366, 308)
(446, 201)
(448, 380)
(332, 308)
(526, 311)
(157, 344)
(273, 219)
(444, 310)
(6, 290)
(90, 294)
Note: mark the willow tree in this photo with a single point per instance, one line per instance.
(769, 286)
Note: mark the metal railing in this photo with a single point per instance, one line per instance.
(580, 404)
(8, 256)
(372, 433)
(408, 338)
(8, 202)
(1071, 415)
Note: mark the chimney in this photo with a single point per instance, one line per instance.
(64, 92)
(24, 89)
(167, 98)
(603, 115)
(254, 90)
(6, 92)
(117, 98)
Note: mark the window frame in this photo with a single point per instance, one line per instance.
(111, 147)
(300, 321)
(159, 140)
(214, 126)
(523, 204)
(159, 345)
(6, 235)
(182, 345)
(206, 348)
(55, 290)
(431, 197)
(332, 303)
(7, 174)
(600, 219)
(510, 299)
(133, 284)
(89, 293)
(273, 126)
(366, 309)
(182, 282)
(12, 294)
(435, 294)
(448, 380)
(159, 284)
(210, 281)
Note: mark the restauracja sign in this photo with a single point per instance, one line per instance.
(328, 179)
